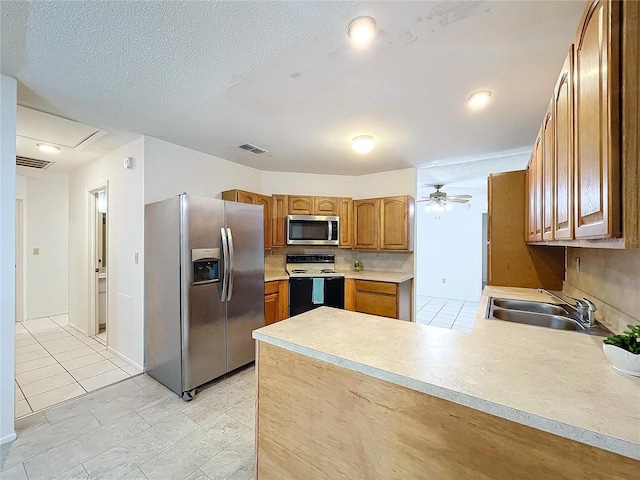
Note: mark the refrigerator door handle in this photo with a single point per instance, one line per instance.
(230, 247)
(225, 273)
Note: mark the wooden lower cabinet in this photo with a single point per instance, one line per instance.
(317, 421)
(276, 301)
(385, 299)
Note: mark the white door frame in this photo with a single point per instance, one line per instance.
(92, 230)
(21, 251)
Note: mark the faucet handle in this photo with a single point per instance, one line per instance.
(590, 304)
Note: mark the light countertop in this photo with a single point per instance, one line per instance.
(391, 277)
(556, 381)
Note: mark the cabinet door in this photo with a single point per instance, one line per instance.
(279, 208)
(597, 147)
(300, 205)
(563, 190)
(548, 172)
(394, 223)
(245, 197)
(325, 206)
(271, 308)
(265, 201)
(365, 220)
(530, 182)
(346, 221)
(537, 185)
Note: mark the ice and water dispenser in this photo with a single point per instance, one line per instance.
(206, 265)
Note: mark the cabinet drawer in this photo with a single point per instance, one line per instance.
(271, 287)
(377, 287)
(376, 304)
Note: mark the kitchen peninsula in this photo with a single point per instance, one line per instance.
(348, 395)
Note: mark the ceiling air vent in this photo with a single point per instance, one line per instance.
(252, 148)
(32, 162)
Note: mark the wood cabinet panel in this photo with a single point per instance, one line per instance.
(376, 304)
(325, 205)
(345, 211)
(548, 172)
(276, 301)
(597, 200)
(365, 220)
(240, 196)
(376, 287)
(530, 182)
(563, 189)
(299, 205)
(395, 220)
(265, 201)
(279, 209)
(270, 308)
(511, 262)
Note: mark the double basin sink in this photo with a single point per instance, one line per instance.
(541, 314)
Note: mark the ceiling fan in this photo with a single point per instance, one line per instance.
(439, 201)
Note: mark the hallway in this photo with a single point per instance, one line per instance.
(55, 363)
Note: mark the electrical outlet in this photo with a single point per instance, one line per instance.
(36, 251)
(135, 257)
(444, 280)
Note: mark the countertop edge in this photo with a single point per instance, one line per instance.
(578, 434)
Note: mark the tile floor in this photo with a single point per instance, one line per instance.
(139, 430)
(446, 313)
(55, 363)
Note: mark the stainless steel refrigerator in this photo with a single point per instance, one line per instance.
(204, 289)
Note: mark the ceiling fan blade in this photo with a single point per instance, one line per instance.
(458, 196)
(457, 200)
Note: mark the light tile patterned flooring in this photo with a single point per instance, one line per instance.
(446, 313)
(137, 430)
(55, 363)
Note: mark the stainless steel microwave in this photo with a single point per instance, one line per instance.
(313, 230)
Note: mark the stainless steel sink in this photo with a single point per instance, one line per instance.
(539, 319)
(526, 306)
(539, 314)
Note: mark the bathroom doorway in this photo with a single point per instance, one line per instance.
(100, 263)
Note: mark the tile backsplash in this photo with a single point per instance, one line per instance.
(401, 262)
(611, 278)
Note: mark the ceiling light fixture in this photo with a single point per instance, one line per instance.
(46, 148)
(480, 99)
(363, 143)
(361, 29)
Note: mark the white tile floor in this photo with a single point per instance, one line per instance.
(139, 430)
(55, 363)
(446, 313)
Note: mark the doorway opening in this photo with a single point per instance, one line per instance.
(20, 261)
(99, 225)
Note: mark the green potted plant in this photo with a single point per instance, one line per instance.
(357, 265)
(624, 350)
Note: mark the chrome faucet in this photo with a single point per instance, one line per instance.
(584, 308)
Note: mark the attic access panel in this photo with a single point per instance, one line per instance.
(52, 129)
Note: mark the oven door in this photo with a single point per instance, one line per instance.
(301, 290)
(312, 230)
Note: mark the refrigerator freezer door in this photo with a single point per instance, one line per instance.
(203, 329)
(245, 309)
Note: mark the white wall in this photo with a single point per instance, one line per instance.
(125, 278)
(171, 169)
(386, 184)
(47, 228)
(449, 246)
(8, 102)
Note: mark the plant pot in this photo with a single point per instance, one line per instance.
(623, 361)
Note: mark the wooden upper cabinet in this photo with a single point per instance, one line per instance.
(299, 205)
(396, 222)
(279, 208)
(548, 172)
(597, 145)
(325, 205)
(265, 201)
(564, 136)
(530, 214)
(535, 190)
(345, 211)
(240, 196)
(365, 224)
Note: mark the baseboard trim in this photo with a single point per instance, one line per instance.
(8, 438)
(126, 359)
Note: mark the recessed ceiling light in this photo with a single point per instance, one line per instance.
(480, 99)
(46, 148)
(363, 143)
(361, 29)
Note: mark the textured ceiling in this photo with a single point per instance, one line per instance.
(213, 75)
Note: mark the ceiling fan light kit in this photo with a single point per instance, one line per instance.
(440, 202)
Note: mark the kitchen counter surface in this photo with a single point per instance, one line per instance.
(391, 277)
(273, 275)
(556, 381)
